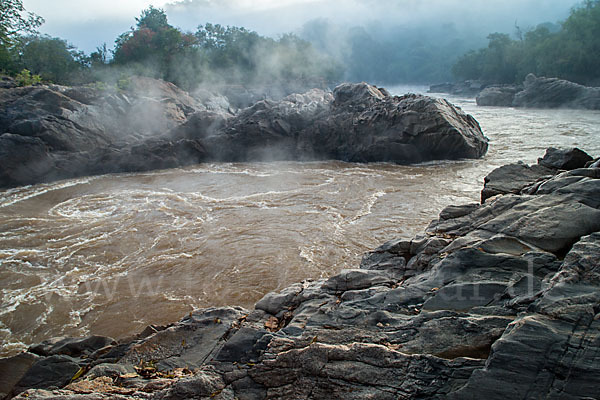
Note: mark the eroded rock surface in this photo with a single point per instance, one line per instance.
(54, 132)
(357, 122)
(495, 300)
(541, 92)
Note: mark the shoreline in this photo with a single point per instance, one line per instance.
(431, 316)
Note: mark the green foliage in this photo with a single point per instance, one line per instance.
(571, 52)
(124, 83)
(12, 22)
(217, 54)
(53, 59)
(154, 19)
(24, 78)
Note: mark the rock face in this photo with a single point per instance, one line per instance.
(541, 93)
(498, 96)
(496, 300)
(467, 88)
(534, 93)
(514, 178)
(556, 93)
(357, 122)
(54, 132)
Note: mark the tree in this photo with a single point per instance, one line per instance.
(154, 19)
(13, 23)
(153, 44)
(53, 59)
(571, 51)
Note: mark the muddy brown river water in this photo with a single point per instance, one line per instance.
(111, 254)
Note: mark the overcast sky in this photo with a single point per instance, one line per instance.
(89, 23)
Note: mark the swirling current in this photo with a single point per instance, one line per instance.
(111, 254)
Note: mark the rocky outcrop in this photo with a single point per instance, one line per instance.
(541, 93)
(54, 132)
(469, 88)
(498, 96)
(514, 178)
(556, 93)
(357, 122)
(496, 300)
(535, 92)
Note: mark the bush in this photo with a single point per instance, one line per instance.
(24, 78)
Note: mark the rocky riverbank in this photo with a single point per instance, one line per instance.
(535, 92)
(56, 132)
(496, 300)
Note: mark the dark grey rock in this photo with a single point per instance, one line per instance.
(512, 178)
(468, 88)
(565, 158)
(356, 279)
(48, 373)
(51, 132)
(498, 96)
(71, 346)
(244, 346)
(13, 369)
(556, 93)
(465, 296)
(110, 370)
(357, 122)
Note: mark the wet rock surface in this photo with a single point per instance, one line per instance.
(55, 132)
(540, 92)
(357, 123)
(535, 92)
(498, 96)
(495, 300)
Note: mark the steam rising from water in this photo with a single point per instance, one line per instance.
(111, 254)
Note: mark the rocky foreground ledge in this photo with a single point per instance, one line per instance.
(495, 300)
(57, 132)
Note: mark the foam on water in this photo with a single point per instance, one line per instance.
(111, 254)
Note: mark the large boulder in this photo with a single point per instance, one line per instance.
(498, 96)
(357, 122)
(50, 132)
(565, 158)
(556, 93)
(496, 300)
(53, 132)
(521, 178)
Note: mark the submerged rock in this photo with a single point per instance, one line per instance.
(496, 300)
(54, 132)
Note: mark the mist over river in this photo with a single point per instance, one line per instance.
(111, 254)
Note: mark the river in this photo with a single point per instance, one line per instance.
(111, 254)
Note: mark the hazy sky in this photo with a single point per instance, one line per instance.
(89, 23)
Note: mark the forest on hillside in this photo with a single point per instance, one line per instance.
(570, 52)
(321, 53)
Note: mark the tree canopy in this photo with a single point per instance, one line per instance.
(13, 23)
(217, 54)
(571, 52)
